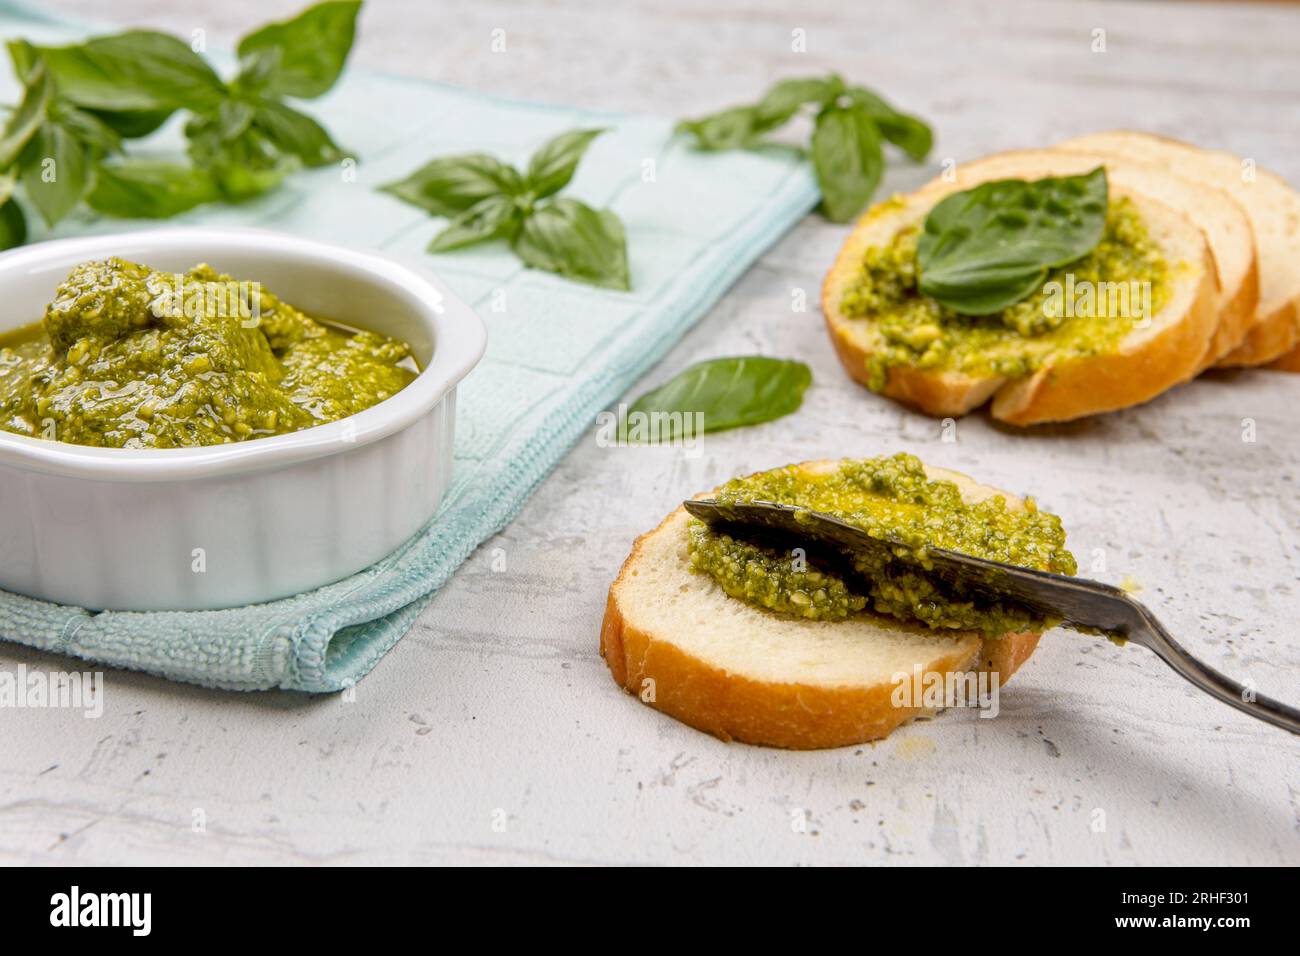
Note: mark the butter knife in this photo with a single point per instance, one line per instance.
(1076, 602)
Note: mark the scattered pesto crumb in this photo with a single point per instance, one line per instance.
(1130, 584)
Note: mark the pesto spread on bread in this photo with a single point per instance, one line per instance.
(892, 498)
(1083, 308)
(131, 357)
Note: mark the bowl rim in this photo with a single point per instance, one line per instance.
(457, 332)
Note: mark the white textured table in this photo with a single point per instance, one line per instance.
(493, 732)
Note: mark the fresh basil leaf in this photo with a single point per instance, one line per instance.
(27, 118)
(249, 167)
(986, 248)
(132, 124)
(244, 167)
(909, 133)
(571, 239)
(553, 165)
(733, 128)
(258, 71)
(97, 135)
(141, 189)
(847, 157)
(782, 101)
(449, 185)
(731, 392)
(297, 133)
(204, 141)
(233, 118)
(13, 225)
(846, 146)
(742, 126)
(139, 70)
(240, 181)
(24, 57)
(313, 47)
(497, 217)
(55, 172)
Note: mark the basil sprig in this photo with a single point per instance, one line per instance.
(730, 392)
(49, 147)
(851, 124)
(486, 199)
(987, 248)
(64, 141)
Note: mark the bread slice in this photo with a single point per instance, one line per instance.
(1289, 362)
(1169, 350)
(1220, 218)
(673, 638)
(1274, 211)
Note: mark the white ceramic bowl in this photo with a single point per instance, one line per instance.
(225, 525)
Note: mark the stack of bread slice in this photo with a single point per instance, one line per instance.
(1271, 206)
(1232, 230)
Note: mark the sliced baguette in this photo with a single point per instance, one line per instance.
(674, 639)
(1169, 350)
(1289, 362)
(1220, 218)
(1274, 211)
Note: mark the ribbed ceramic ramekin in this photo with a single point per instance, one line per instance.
(225, 525)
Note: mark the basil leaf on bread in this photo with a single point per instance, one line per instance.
(987, 248)
(1115, 327)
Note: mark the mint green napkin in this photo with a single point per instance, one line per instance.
(557, 352)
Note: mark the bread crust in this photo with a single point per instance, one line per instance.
(942, 396)
(1271, 340)
(1236, 316)
(1288, 363)
(1118, 380)
(793, 715)
(1273, 330)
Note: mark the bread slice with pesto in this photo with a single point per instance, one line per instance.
(675, 639)
(1273, 207)
(1220, 218)
(948, 365)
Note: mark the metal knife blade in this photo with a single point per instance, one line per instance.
(1076, 602)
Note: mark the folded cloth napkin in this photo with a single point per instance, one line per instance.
(558, 352)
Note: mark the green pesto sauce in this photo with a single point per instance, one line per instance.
(893, 500)
(129, 357)
(1084, 308)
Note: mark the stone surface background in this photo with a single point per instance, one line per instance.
(493, 734)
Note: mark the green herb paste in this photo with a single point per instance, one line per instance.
(1084, 308)
(129, 357)
(894, 500)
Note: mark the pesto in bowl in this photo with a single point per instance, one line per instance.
(131, 357)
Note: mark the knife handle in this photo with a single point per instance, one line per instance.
(1155, 638)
